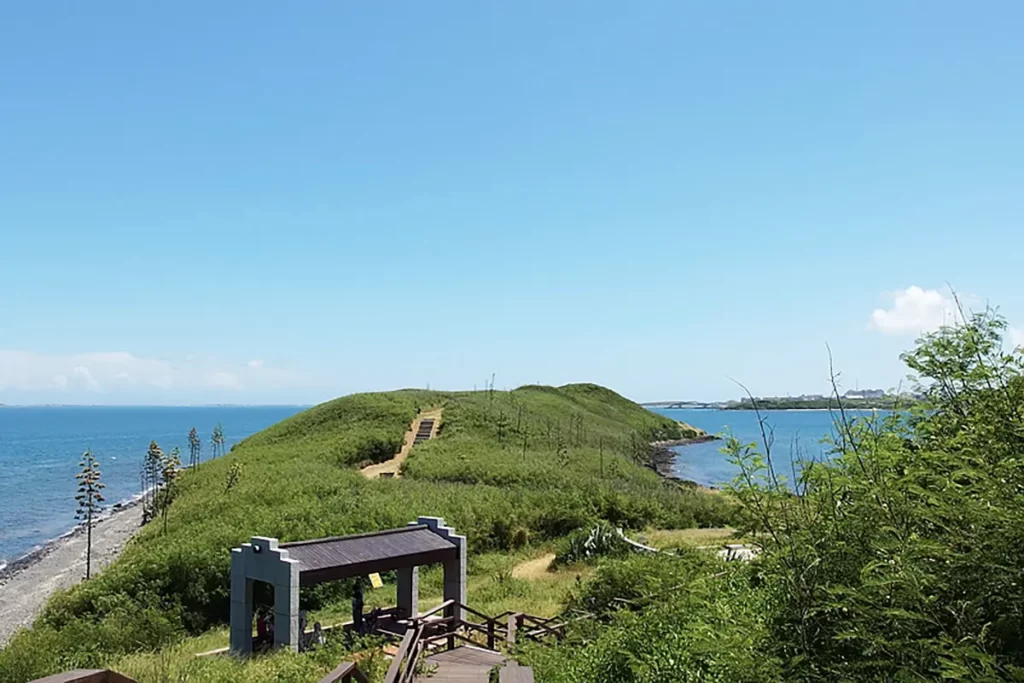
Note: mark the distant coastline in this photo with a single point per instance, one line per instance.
(887, 402)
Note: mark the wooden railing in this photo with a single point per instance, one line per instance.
(428, 631)
(346, 672)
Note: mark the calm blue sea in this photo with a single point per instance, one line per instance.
(40, 448)
(797, 435)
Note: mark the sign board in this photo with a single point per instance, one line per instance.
(375, 580)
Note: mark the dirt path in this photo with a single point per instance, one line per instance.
(394, 465)
(533, 569)
(23, 594)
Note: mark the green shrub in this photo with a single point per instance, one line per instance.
(587, 545)
(701, 621)
(903, 557)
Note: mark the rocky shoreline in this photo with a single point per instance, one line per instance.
(663, 458)
(27, 582)
(685, 442)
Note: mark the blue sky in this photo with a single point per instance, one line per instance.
(210, 202)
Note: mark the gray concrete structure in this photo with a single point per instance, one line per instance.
(261, 560)
(287, 566)
(454, 567)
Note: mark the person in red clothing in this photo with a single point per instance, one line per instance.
(264, 634)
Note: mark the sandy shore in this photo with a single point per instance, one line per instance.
(26, 583)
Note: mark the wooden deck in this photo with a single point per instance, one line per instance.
(464, 664)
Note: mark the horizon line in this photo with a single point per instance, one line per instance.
(157, 405)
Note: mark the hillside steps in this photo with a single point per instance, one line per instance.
(464, 664)
(424, 431)
(423, 428)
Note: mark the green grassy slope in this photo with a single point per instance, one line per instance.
(508, 468)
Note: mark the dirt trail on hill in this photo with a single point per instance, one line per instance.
(533, 569)
(394, 465)
(23, 593)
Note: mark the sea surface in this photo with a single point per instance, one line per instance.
(797, 435)
(40, 448)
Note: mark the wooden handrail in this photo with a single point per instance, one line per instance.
(443, 605)
(409, 642)
(345, 673)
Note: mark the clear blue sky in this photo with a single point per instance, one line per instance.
(281, 202)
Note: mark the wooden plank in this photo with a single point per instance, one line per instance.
(513, 673)
(465, 664)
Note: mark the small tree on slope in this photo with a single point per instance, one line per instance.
(168, 474)
(195, 447)
(90, 501)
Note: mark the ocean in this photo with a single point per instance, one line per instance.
(797, 436)
(40, 448)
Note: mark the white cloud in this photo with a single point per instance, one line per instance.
(915, 310)
(84, 377)
(114, 373)
(1016, 336)
(225, 380)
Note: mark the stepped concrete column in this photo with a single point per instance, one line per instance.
(454, 568)
(262, 560)
(241, 606)
(409, 592)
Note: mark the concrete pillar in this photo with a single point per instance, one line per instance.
(241, 606)
(286, 607)
(455, 569)
(409, 592)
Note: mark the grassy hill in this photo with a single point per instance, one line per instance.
(508, 469)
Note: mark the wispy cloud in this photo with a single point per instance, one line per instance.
(1016, 336)
(915, 310)
(120, 372)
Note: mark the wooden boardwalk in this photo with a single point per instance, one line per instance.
(464, 664)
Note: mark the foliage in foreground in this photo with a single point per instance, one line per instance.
(509, 468)
(663, 618)
(901, 559)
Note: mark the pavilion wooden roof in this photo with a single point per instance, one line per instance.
(342, 557)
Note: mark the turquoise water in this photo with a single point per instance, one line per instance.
(797, 435)
(40, 449)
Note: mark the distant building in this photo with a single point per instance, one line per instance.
(864, 393)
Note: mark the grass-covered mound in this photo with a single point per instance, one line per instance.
(508, 468)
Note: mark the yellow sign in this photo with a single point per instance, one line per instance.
(375, 580)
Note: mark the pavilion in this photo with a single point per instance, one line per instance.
(287, 566)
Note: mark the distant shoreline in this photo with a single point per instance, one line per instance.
(685, 442)
(789, 409)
